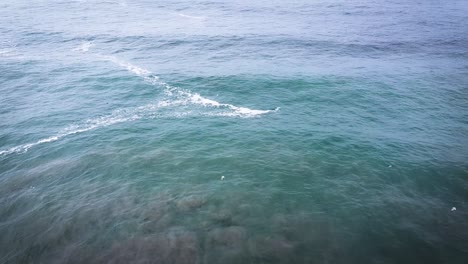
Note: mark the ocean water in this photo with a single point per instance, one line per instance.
(233, 131)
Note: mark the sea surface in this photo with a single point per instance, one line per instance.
(217, 132)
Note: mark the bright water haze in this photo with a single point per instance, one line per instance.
(340, 127)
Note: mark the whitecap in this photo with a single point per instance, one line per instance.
(183, 97)
(84, 46)
(4, 51)
(117, 116)
(175, 97)
(192, 17)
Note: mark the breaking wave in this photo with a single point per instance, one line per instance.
(175, 96)
(84, 47)
(184, 97)
(192, 17)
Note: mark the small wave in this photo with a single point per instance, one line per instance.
(25, 147)
(84, 47)
(184, 97)
(192, 17)
(9, 52)
(176, 97)
(7, 48)
(117, 116)
(247, 112)
(138, 71)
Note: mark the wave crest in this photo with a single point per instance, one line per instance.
(175, 97)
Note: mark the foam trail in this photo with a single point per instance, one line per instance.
(177, 97)
(185, 97)
(141, 72)
(118, 116)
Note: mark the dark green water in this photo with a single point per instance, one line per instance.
(233, 132)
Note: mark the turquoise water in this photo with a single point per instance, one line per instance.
(233, 132)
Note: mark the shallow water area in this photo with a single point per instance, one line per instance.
(233, 132)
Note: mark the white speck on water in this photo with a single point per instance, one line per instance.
(453, 209)
(222, 177)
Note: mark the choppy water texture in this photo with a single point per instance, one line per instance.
(233, 131)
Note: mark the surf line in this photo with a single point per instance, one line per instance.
(181, 96)
(185, 96)
(90, 124)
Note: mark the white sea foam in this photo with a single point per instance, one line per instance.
(192, 17)
(8, 52)
(138, 71)
(181, 96)
(7, 48)
(84, 47)
(175, 97)
(130, 67)
(25, 147)
(118, 116)
(5, 51)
